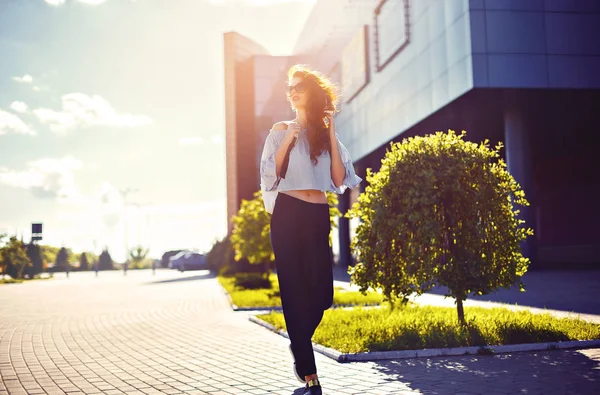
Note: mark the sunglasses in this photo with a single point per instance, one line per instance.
(300, 87)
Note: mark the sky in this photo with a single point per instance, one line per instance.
(112, 117)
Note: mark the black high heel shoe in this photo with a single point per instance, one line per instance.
(313, 387)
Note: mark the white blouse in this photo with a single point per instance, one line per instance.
(302, 174)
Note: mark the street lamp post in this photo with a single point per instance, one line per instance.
(124, 193)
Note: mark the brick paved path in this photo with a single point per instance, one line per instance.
(174, 334)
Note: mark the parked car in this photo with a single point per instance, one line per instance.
(187, 260)
(175, 259)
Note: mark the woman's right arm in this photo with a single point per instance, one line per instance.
(273, 154)
(281, 127)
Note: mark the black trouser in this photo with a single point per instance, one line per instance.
(300, 239)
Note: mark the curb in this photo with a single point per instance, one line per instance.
(436, 352)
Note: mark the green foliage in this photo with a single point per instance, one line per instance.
(62, 258)
(105, 261)
(252, 281)
(334, 212)
(250, 237)
(138, 258)
(440, 211)
(34, 252)
(84, 264)
(49, 254)
(413, 327)
(10, 281)
(13, 258)
(3, 264)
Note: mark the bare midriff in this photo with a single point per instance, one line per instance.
(308, 195)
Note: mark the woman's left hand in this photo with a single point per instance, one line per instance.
(331, 126)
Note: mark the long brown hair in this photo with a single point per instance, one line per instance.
(321, 100)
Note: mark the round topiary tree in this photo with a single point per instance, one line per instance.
(441, 211)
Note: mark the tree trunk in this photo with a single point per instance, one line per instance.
(461, 311)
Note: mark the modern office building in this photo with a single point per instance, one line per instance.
(522, 72)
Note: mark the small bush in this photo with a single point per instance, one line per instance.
(252, 281)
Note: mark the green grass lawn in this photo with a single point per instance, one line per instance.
(269, 297)
(414, 327)
(9, 280)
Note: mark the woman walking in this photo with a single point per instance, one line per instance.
(301, 160)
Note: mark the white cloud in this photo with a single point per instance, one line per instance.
(81, 110)
(12, 123)
(191, 140)
(19, 106)
(47, 178)
(26, 79)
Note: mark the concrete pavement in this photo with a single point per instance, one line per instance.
(174, 333)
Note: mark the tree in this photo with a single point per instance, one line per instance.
(3, 263)
(138, 255)
(84, 264)
(62, 259)
(49, 253)
(105, 261)
(250, 237)
(441, 211)
(14, 258)
(34, 252)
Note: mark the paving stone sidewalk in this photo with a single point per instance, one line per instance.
(174, 333)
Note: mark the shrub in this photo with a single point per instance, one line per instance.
(14, 259)
(252, 281)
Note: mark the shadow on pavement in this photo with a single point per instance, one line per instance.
(519, 373)
(566, 290)
(204, 275)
